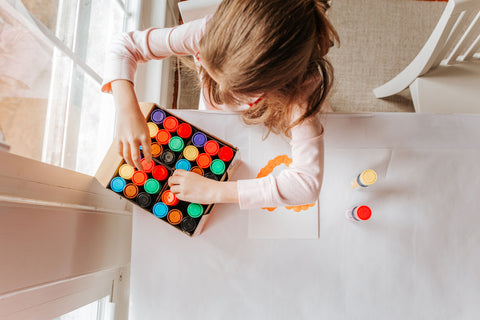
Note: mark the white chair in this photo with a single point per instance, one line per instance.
(445, 76)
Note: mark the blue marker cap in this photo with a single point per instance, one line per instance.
(199, 139)
(183, 164)
(117, 184)
(158, 116)
(160, 209)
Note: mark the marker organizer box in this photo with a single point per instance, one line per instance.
(176, 144)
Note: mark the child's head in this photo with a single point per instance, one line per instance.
(270, 48)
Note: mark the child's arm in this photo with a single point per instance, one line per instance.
(130, 125)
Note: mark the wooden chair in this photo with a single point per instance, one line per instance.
(445, 76)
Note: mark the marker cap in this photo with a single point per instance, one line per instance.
(199, 139)
(190, 153)
(197, 170)
(195, 210)
(225, 153)
(147, 167)
(368, 177)
(156, 149)
(160, 210)
(211, 147)
(117, 184)
(152, 129)
(188, 225)
(139, 178)
(183, 164)
(168, 157)
(174, 216)
(130, 191)
(170, 124)
(163, 136)
(160, 173)
(169, 198)
(217, 167)
(184, 130)
(204, 160)
(363, 212)
(126, 171)
(158, 116)
(143, 199)
(176, 144)
(152, 186)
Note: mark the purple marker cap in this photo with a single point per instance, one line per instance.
(158, 116)
(199, 139)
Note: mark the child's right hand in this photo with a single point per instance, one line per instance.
(130, 126)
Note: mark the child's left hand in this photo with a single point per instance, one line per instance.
(192, 187)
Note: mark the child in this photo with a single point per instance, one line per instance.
(263, 58)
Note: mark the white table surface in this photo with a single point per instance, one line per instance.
(417, 258)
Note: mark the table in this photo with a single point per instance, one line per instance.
(417, 258)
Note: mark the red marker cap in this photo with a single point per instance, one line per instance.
(169, 198)
(211, 147)
(160, 173)
(147, 167)
(204, 160)
(225, 154)
(364, 213)
(170, 124)
(184, 130)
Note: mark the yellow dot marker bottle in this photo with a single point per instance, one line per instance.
(364, 179)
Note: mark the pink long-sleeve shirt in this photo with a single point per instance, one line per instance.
(299, 184)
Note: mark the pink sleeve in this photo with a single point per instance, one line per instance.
(297, 185)
(129, 49)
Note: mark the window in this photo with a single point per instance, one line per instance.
(97, 310)
(52, 55)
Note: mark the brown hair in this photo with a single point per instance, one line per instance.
(270, 48)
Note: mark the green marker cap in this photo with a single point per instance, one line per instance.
(176, 144)
(217, 166)
(195, 210)
(152, 186)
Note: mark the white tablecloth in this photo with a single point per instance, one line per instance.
(416, 258)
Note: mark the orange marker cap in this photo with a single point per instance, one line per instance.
(139, 178)
(130, 191)
(170, 124)
(169, 198)
(147, 167)
(174, 216)
(211, 147)
(204, 160)
(163, 136)
(156, 149)
(197, 170)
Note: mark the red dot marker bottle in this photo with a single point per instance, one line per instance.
(359, 213)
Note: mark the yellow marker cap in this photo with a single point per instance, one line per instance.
(190, 153)
(126, 171)
(153, 129)
(368, 177)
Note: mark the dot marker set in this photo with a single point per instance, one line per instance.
(362, 181)
(176, 144)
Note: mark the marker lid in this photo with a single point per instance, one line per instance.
(363, 212)
(147, 167)
(204, 160)
(199, 139)
(195, 210)
(152, 186)
(156, 149)
(160, 173)
(211, 175)
(183, 164)
(152, 129)
(169, 198)
(158, 116)
(143, 199)
(184, 130)
(188, 225)
(176, 144)
(211, 147)
(160, 209)
(117, 184)
(368, 177)
(126, 171)
(170, 124)
(217, 166)
(168, 157)
(225, 154)
(197, 170)
(139, 178)
(190, 153)
(130, 191)
(163, 136)
(174, 216)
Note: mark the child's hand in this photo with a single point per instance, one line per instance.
(131, 127)
(192, 187)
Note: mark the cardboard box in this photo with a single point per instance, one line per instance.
(178, 144)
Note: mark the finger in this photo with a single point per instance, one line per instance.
(147, 150)
(179, 172)
(120, 148)
(173, 180)
(134, 149)
(126, 154)
(175, 190)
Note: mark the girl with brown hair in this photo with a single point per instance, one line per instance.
(262, 58)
